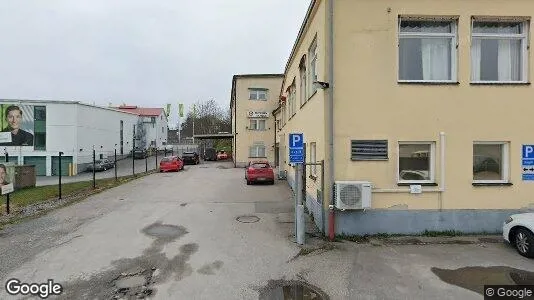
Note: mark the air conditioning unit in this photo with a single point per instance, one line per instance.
(353, 194)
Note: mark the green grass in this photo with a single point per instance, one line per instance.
(29, 196)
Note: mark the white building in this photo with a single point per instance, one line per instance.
(153, 133)
(73, 128)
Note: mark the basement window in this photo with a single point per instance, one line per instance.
(416, 162)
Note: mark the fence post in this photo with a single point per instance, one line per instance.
(133, 152)
(322, 198)
(7, 196)
(59, 169)
(146, 163)
(172, 151)
(115, 163)
(94, 166)
(156, 159)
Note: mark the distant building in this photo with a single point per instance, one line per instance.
(154, 126)
(253, 99)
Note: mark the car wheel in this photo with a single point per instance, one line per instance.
(524, 242)
(248, 182)
(271, 182)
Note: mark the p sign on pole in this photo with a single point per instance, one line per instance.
(527, 163)
(296, 148)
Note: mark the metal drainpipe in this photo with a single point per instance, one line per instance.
(330, 112)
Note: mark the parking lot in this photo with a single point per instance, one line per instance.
(205, 234)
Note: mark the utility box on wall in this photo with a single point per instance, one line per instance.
(24, 176)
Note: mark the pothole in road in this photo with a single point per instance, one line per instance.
(247, 219)
(294, 290)
(134, 285)
(474, 278)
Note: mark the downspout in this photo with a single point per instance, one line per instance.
(234, 151)
(330, 115)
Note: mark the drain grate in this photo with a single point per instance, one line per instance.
(247, 219)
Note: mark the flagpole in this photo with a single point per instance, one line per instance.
(194, 117)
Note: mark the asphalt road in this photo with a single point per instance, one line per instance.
(125, 167)
(177, 236)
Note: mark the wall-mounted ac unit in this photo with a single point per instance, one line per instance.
(353, 194)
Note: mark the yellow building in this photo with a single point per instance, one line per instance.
(427, 101)
(253, 99)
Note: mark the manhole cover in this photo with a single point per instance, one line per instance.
(294, 290)
(248, 219)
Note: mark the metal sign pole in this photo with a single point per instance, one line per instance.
(300, 208)
(59, 169)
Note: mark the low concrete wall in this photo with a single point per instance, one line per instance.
(417, 221)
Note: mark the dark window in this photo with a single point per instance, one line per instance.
(39, 127)
(369, 150)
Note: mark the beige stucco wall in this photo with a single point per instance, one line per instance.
(309, 118)
(370, 104)
(245, 137)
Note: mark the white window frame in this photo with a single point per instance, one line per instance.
(293, 100)
(312, 66)
(505, 163)
(313, 158)
(303, 85)
(257, 146)
(454, 47)
(523, 37)
(432, 171)
(257, 92)
(256, 125)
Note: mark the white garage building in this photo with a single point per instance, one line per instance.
(72, 127)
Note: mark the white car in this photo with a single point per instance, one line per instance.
(518, 231)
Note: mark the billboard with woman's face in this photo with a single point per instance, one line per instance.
(16, 125)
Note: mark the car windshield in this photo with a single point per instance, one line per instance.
(260, 166)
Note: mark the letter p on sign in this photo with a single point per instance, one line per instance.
(295, 140)
(528, 151)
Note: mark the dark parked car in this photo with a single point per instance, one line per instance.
(191, 158)
(140, 153)
(101, 165)
(210, 154)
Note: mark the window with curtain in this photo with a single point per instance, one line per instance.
(303, 84)
(498, 51)
(257, 124)
(257, 150)
(427, 50)
(257, 94)
(312, 69)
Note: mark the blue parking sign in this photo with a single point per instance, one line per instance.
(296, 148)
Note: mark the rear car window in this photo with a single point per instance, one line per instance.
(165, 159)
(260, 166)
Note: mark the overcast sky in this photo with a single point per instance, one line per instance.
(141, 52)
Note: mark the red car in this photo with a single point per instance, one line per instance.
(259, 171)
(222, 155)
(171, 163)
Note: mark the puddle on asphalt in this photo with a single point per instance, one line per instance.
(474, 278)
(247, 219)
(165, 231)
(291, 290)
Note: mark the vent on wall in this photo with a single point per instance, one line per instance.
(369, 150)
